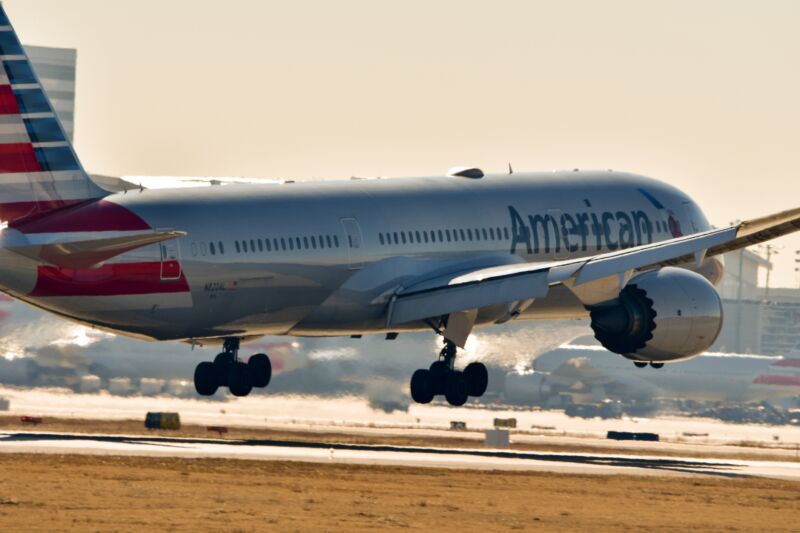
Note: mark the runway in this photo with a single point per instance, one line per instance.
(429, 457)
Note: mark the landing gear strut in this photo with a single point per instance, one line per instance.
(443, 378)
(228, 370)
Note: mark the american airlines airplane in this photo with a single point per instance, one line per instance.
(444, 254)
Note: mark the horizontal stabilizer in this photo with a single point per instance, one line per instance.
(87, 253)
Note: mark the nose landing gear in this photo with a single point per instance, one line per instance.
(442, 378)
(643, 364)
(227, 370)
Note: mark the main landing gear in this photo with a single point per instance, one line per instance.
(443, 378)
(228, 371)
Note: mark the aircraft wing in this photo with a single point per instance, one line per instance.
(89, 252)
(592, 279)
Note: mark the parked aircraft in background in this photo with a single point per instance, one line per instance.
(443, 253)
(590, 373)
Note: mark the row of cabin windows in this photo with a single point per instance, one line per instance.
(287, 243)
(446, 235)
(206, 248)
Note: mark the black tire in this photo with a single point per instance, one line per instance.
(655, 364)
(477, 379)
(205, 379)
(222, 365)
(455, 388)
(420, 386)
(260, 369)
(439, 371)
(640, 364)
(240, 380)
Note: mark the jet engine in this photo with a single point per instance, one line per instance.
(667, 314)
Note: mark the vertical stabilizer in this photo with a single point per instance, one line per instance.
(39, 171)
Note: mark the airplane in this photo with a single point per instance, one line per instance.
(222, 265)
(712, 376)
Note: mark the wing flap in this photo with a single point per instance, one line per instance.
(478, 289)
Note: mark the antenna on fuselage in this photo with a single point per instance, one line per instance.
(510, 170)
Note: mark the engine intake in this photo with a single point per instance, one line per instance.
(662, 315)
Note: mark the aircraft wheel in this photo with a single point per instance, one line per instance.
(260, 369)
(222, 365)
(455, 389)
(640, 364)
(240, 380)
(420, 386)
(205, 379)
(438, 377)
(477, 379)
(656, 365)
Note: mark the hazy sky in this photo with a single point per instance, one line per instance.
(704, 94)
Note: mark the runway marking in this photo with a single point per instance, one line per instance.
(271, 449)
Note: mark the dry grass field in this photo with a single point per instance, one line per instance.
(93, 493)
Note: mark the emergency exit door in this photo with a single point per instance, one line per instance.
(354, 242)
(170, 259)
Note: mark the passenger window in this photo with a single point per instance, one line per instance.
(212, 249)
(485, 235)
(336, 240)
(283, 243)
(238, 250)
(297, 241)
(313, 242)
(463, 237)
(291, 244)
(419, 237)
(425, 235)
(441, 236)
(260, 245)
(194, 248)
(505, 232)
(380, 237)
(448, 235)
(268, 245)
(433, 235)
(305, 242)
(203, 248)
(221, 248)
(252, 245)
(328, 240)
(469, 234)
(403, 236)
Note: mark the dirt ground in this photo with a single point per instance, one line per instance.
(454, 440)
(94, 493)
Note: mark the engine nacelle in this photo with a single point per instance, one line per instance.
(667, 314)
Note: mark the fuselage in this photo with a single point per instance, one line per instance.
(323, 258)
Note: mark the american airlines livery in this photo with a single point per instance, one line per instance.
(218, 265)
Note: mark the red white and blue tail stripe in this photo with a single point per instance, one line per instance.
(39, 171)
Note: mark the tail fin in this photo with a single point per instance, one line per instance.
(39, 171)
